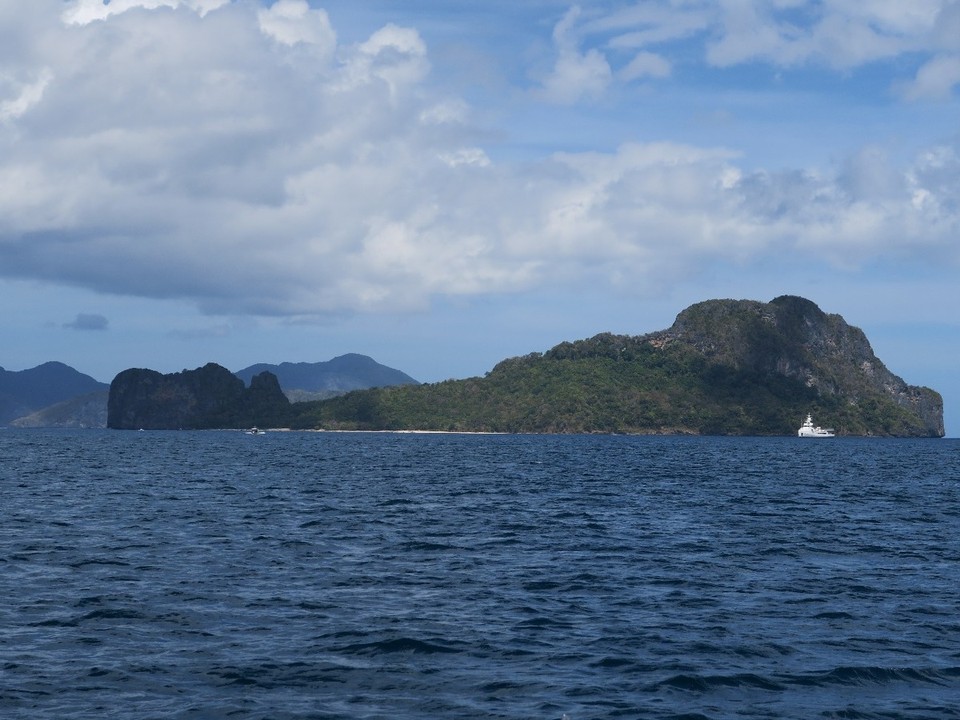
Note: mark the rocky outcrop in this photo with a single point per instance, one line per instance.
(792, 337)
(208, 397)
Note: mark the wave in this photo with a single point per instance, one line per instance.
(706, 683)
(398, 645)
(98, 561)
(424, 546)
(873, 675)
(105, 614)
(840, 676)
(834, 615)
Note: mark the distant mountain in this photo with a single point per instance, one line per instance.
(212, 397)
(24, 392)
(333, 377)
(56, 395)
(725, 367)
(83, 411)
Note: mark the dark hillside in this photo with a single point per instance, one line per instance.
(27, 391)
(208, 397)
(339, 375)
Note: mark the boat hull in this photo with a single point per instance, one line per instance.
(809, 430)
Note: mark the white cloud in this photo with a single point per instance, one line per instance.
(292, 22)
(838, 34)
(935, 80)
(646, 64)
(466, 156)
(199, 155)
(394, 55)
(835, 33)
(449, 111)
(81, 12)
(651, 23)
(24, 95)
(576, 75)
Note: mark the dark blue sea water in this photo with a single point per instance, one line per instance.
(328, 575)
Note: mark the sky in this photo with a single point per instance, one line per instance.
(442, 184)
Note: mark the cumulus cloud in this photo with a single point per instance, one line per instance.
(196, 151)
(652, 208)
(292, 22)
(396, 56)
(81, 12)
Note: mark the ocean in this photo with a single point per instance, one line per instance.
(405, 576)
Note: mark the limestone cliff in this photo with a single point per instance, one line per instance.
(793, 338)
(208, 397)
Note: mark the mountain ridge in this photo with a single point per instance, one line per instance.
(343, 373)
(24, 392)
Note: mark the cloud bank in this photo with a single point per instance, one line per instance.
(236, 154)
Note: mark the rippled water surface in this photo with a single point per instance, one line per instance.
(329, 575)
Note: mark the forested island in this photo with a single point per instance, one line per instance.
(725, 367)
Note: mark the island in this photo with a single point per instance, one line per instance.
(725, 367)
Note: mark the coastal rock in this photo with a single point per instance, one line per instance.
(792, 337)
(208, 397)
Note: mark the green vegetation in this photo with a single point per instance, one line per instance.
(609, 384)
(725, 367)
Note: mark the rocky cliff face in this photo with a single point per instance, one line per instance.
(208, 397)
(792, 337)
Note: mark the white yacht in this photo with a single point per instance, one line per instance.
(808, 429)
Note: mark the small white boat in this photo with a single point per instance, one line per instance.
(808, 429)
(255, 431)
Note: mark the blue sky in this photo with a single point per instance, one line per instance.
(443, 184)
